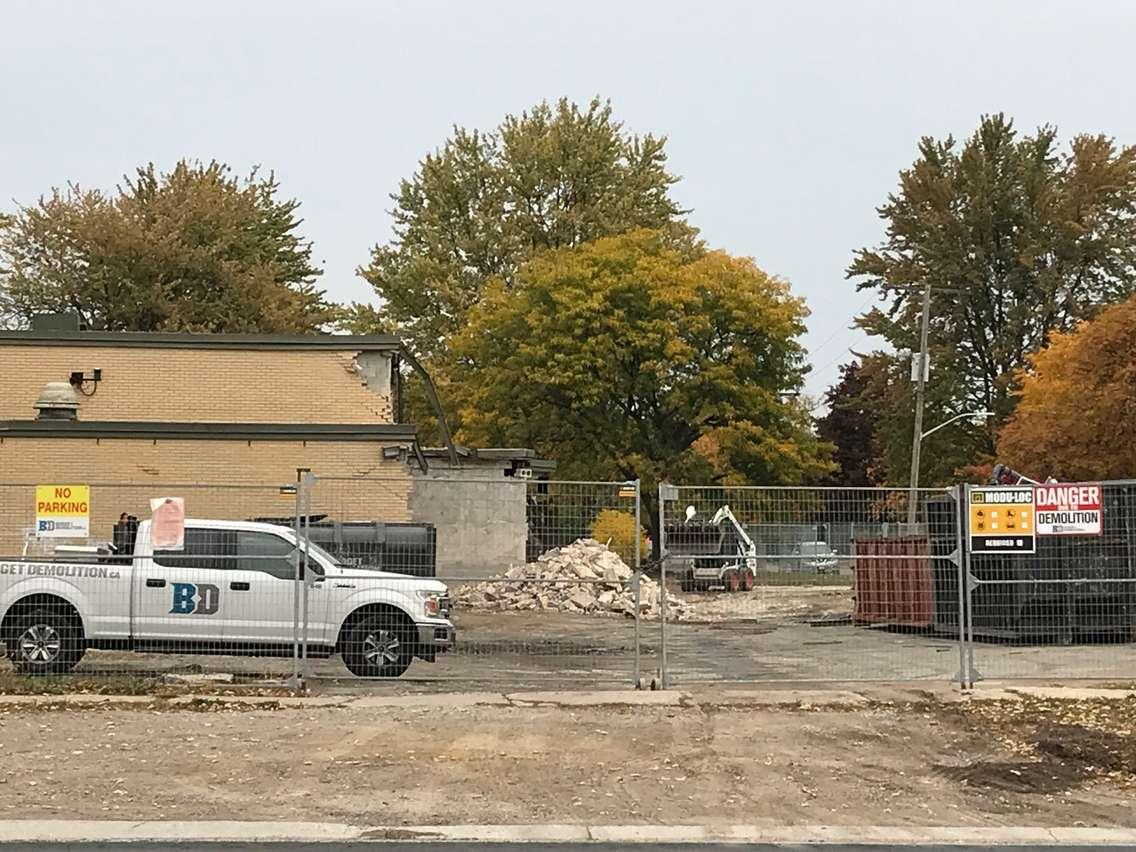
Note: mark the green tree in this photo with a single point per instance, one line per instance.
(849, 425)
(881, 399)
(1018, 240)
(194, 249)
(623, 358)
(553, 177)
(1076, 418)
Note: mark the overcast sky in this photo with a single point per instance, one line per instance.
(788, 122)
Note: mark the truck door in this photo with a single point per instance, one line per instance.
(261, 590)
(182, 595)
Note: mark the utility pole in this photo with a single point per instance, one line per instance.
(920, 383)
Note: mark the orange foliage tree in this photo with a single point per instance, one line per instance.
(1076, 417)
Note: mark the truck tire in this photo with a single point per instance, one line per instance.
(380, 645)
(747, 581)
(733, 581)
(45, 643)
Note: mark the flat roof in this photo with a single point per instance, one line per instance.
(208, 431)
(495, 454)
(148, 339)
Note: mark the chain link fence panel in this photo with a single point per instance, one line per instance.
(155, 582)
(499, 582)
(493, 582)
(535, 580)
(810, 584)
(1065, 611)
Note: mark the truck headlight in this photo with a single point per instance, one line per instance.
(431, 602)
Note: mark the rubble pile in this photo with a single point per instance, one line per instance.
(590, 579)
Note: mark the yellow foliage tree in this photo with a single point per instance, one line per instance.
(626, 358)
(616, 529)
(1076, 418)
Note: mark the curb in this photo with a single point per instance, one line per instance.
(116, 831)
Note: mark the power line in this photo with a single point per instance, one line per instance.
(838, 330)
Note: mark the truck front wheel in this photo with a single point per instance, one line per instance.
(45, 643)
(380, 645)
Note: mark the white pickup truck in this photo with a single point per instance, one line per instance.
(230, 590)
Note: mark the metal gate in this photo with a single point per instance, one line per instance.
(540, 578)
(1067, 609)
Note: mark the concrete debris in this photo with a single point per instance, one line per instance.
(584, 576)
(201, 678)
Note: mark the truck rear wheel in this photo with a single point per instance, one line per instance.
(733, 581)
(380, 645)
(45, 643)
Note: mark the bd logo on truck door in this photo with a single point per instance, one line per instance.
(196, 599)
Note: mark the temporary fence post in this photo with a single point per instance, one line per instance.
(306, 520)
(663, 678)
(971, 672)
(296, 584)
(960, 567)
(637, 580)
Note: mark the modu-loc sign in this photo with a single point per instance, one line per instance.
(1001, 519)
(1069, 509)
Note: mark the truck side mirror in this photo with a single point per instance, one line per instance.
(315, 567)
(309, 562)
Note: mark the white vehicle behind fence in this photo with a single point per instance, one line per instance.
(815, 557)
(231, 590)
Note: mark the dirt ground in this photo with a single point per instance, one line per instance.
(1035, 763)
(773, 602)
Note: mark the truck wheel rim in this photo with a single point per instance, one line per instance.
(381, 647)
(40, 643)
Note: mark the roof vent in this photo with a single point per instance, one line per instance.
(57, 401)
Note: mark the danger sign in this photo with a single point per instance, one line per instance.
(1068, 509)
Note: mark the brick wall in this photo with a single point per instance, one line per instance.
(218, 479)
(170, 384)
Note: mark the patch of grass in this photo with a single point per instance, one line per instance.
(213, 705)
(125, 684)
(17, 684)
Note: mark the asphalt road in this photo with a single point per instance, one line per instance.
(387, 846)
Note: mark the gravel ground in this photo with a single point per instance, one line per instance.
(1049, 763)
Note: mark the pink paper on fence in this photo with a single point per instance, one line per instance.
(167, 523)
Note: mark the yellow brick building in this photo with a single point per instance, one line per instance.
(222, 420)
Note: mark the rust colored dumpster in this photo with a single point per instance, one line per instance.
(896, 586)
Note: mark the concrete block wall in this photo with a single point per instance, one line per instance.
(481, 519)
